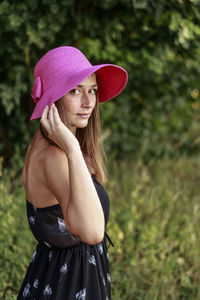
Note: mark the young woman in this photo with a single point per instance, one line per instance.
(67, 207)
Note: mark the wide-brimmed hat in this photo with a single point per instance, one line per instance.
(63, 68)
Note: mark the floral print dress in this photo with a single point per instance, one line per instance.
(62, 266)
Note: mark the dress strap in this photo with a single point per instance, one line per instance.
(109, 239)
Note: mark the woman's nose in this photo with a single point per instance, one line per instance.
(86, 100)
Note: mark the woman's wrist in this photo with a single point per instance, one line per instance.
(73, 149)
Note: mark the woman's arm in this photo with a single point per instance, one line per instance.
(69, 180)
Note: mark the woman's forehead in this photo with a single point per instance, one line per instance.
(89, 81)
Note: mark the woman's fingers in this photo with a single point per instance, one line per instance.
(44, 119)
(56, 116)
(51, 118)
(45, 113)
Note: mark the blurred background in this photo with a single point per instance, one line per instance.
(151, 134)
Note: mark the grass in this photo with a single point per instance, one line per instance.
(154, 224)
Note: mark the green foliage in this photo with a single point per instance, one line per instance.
(157, 42)
(155, 216)
(154, 224)
(16, 243)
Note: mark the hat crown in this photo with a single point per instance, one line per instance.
(60, 62)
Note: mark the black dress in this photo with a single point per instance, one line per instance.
(62, 266)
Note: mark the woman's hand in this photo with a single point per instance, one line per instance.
(56, 129)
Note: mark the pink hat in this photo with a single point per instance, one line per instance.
(63, 68)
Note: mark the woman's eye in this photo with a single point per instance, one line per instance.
(74, 91)
(93, 91)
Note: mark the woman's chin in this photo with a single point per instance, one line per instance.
(81, 124)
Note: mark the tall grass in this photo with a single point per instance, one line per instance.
(154, 224)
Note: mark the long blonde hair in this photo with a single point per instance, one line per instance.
(90, 141)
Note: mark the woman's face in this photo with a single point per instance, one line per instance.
(79, 103)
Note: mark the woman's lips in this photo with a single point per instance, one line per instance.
(84, 116)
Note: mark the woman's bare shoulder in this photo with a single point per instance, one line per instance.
(55, 162)
(43, 160)
(53, 154)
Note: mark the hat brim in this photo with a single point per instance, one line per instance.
(111, 80)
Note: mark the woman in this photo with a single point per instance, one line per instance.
(67, 207)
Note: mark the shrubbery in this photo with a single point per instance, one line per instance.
(156, 41)
(154, 224)
(16, 242)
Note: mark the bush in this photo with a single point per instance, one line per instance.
(16, 242)
(156, 41)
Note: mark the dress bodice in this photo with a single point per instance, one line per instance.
(48, 226)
